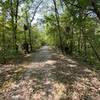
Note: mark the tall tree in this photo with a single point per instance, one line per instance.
(58, 25)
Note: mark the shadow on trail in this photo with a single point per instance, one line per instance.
(81, 83)
(41, 55)
(50, 76)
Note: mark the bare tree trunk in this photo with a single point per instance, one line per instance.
(72, 41)
(79, 43)
(29, 33)
(58, 25)
(84, 43)
(3, 36)
(30, 39)
(93, 48)
(12, 21)
(25, 36)
(29, 25)
(14, 16)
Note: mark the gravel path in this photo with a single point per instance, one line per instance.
(46, 75)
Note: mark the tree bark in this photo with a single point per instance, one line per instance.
(14, 16)
(58, 25)
(93, 48)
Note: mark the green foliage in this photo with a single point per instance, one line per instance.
(84, 3)
(12, 20)
(78, 29)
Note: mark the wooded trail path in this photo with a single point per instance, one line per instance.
(47, 75)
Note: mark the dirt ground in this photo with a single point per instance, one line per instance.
(46, 75)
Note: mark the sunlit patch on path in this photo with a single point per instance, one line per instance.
(46, 75)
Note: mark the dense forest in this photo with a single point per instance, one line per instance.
(69, 27)
(78, 29)
(17, 33)
(72, 26)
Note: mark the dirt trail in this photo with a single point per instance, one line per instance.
(46, 75)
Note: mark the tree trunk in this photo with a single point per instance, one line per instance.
(30, 39)
(14, 16)
(58, 25)
(3, 37)
(93, 48)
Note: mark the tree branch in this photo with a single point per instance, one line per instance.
(36, 11)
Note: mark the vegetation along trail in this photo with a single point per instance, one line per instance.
(49, 49)
(46, 75)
